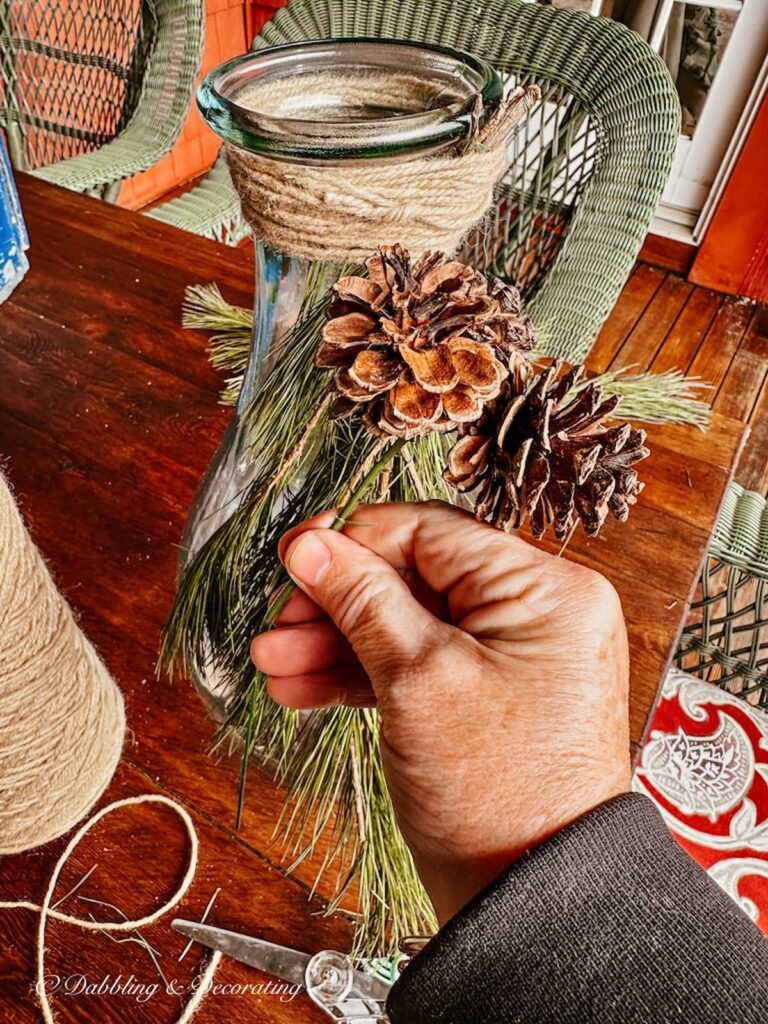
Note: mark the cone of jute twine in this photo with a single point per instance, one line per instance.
(61, 715)
(340, 211)
(61, 734)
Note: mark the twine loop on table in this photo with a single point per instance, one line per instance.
(45, 910)
(339, 211)
(61, 714)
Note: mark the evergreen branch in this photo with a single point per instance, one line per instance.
(668, 397)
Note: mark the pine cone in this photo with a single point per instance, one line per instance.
(539, 455)
(421, 347)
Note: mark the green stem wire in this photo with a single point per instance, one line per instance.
(290, 588)
(341, 521)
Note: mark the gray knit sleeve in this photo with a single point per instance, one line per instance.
(609, 920)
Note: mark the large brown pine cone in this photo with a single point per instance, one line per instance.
(421, 347)
(540, 455)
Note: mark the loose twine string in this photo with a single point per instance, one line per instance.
(45, 910)
(61, 734)
(339, 211)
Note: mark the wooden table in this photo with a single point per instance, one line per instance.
(108, 417)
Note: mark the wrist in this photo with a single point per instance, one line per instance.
(450, 885)
(453, 879)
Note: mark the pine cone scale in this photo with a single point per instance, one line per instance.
(330, 356)
(376, 371)
(546, 455)
(433, 368)
(350, 389)
(462, 405)
(466, 461)
(359, 289)
(348, 329)
(420, 347)
(414, 405)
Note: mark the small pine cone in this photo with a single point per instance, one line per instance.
(421, 347)
(539, 455)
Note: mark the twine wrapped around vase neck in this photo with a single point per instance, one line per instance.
(340, 211)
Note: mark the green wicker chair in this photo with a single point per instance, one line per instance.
(590, 160)
(94, 92)
(725, 639)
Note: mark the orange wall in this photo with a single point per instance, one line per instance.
(733, 256)
(227, 22)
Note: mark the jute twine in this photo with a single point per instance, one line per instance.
(47, 911)
(61, 715)
(341, 211)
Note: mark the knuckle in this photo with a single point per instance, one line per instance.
(434, 505)
(604, 594)
(596, 592)
(360, 603)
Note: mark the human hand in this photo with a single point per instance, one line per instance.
(500, 673)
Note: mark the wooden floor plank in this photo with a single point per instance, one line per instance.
(668, 253)
(715, 445)
(756, 338)
(652, 327)
(687, 332)
(722, 341)
(639, 290)
(742, 386)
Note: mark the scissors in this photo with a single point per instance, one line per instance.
(346, 994)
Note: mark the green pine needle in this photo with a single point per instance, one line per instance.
(668, 397)
(231, 327)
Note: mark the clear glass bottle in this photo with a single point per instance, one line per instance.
(287, 104)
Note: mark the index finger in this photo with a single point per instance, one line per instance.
(442, 543)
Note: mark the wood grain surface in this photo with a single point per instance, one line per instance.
(108, 418)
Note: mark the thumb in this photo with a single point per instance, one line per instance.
(365, 597)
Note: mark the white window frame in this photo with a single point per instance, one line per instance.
(702, 163)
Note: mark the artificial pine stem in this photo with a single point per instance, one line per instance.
(387, 452)
(343, 516)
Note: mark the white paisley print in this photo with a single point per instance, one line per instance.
(705, 764)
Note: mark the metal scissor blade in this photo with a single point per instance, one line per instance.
(280, 961)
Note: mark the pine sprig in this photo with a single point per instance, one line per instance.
(668, 397)
(230, 327)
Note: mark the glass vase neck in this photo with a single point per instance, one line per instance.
(364, 99)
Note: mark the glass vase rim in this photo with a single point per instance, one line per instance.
(302, 139)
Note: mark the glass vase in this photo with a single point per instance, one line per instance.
(307, 103)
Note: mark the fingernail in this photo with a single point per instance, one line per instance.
(308, 559)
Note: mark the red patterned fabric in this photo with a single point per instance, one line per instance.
(705, 764)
